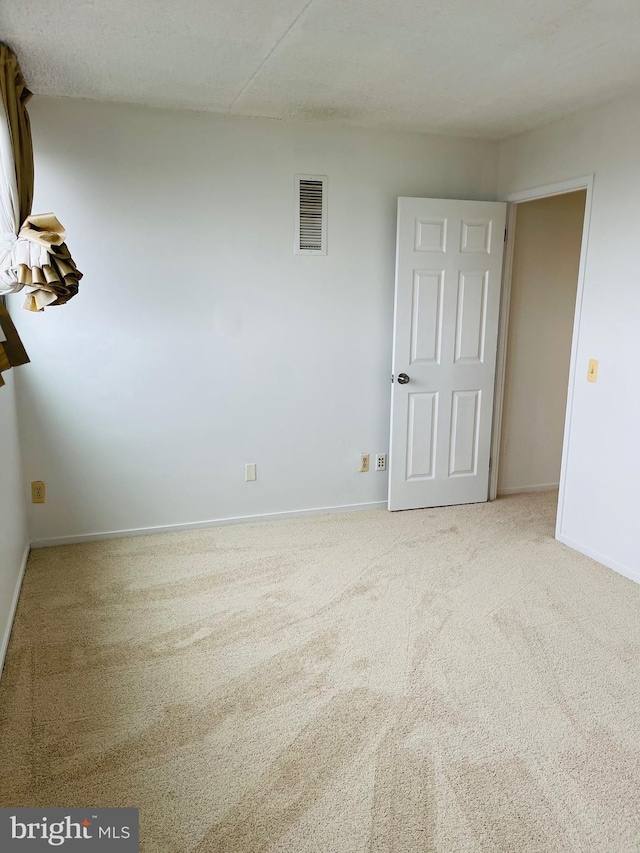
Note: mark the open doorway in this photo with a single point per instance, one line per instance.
(542, 285)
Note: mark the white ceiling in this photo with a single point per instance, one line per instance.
(466, 67)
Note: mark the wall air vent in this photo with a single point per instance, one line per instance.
(311, 215)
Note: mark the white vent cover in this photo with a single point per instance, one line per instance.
(311, 215)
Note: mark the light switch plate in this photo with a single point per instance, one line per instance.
(592, 372)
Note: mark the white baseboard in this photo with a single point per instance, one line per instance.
(632, 574)
(199, 525)
(523, 490)
(4, 643)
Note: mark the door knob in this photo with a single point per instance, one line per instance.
(403, 378)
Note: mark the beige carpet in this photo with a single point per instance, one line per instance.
(447, 680)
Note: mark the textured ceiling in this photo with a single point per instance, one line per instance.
(468, 67)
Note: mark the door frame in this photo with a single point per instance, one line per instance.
(513, 199)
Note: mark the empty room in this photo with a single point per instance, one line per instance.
(318, 426)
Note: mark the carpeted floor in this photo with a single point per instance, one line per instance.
(438, 680)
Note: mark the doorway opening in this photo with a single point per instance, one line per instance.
(538, 334)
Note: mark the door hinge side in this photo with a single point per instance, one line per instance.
(505, 235)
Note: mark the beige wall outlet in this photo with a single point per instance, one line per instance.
(592, 372)
(37, 492)
(364, 463)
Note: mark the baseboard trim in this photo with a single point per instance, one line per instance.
(631, 574)
(200, 525)
(523, 490)
(4, 644)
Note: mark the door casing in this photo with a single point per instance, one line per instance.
(513, 199)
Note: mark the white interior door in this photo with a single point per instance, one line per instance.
(448, 275)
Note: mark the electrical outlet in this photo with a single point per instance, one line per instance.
(364, 463)
(381, 462)
(250, 472)
(37, 492)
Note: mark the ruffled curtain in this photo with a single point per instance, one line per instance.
(42, 265)
(33, 254)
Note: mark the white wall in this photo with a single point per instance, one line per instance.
(199, 341)
(546, 258)
(13, 518)
(602, 503)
